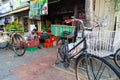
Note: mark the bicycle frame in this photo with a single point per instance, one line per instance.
(82, 50)
(82, 41)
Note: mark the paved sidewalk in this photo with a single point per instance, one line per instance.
(42, 69)
(36, 65)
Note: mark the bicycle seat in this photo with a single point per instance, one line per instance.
(66, 33)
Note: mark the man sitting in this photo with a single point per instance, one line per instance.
(32, 36)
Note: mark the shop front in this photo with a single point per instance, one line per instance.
(21, 12)
(5, 16)
(22, 18)
(60, 10)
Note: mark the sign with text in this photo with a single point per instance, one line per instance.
(38, 7)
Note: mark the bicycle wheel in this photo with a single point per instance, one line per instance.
(117, 58)
(95, 69)
(60, 54)
(18, 44)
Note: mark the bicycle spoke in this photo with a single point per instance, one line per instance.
(101, 73)
(97, 70)
(92, 68)
(18, 45)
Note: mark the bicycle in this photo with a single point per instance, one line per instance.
(14, 40)
(117, 58)
(88, 65)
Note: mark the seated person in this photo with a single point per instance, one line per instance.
(32, 35)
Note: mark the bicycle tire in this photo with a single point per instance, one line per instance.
(61, 43)
(117, 58)
(86, 72)
(18, 47)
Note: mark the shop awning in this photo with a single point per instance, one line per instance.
(20, 10)
(5, 14)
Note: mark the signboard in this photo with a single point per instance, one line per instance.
(24, 2)
(19, 3)
(5, 8)
(16, 4)
(38, 7)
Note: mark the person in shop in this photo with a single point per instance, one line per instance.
(32, 35)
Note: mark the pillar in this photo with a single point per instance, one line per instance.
(39, 25)
(89, 12)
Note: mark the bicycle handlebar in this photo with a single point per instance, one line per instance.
(82, 23)
(79, 20)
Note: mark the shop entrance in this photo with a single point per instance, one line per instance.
(61, 10)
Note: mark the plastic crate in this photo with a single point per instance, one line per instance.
(32, 49)
(57, 30)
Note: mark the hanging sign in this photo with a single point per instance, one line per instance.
(38, 7)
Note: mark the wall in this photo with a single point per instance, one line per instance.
(4, 1)
(105, 8)
(39, 25)
(5, 6)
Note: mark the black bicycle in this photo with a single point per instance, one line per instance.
(88, 64)
(117, 58)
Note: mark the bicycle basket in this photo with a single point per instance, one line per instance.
(103, 43)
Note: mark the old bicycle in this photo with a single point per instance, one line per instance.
(14, 40)
(90, 54)
(117, 58)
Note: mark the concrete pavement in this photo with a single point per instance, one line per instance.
(37, 65)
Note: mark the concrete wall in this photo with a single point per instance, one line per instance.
(105, 8)
(4, 1)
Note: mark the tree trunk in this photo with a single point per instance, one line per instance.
(88, 12)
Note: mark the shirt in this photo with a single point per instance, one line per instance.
(31, 36)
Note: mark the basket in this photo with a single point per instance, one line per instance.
(103, 43)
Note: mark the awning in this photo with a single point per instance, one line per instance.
(5, 14)
(20, 10)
